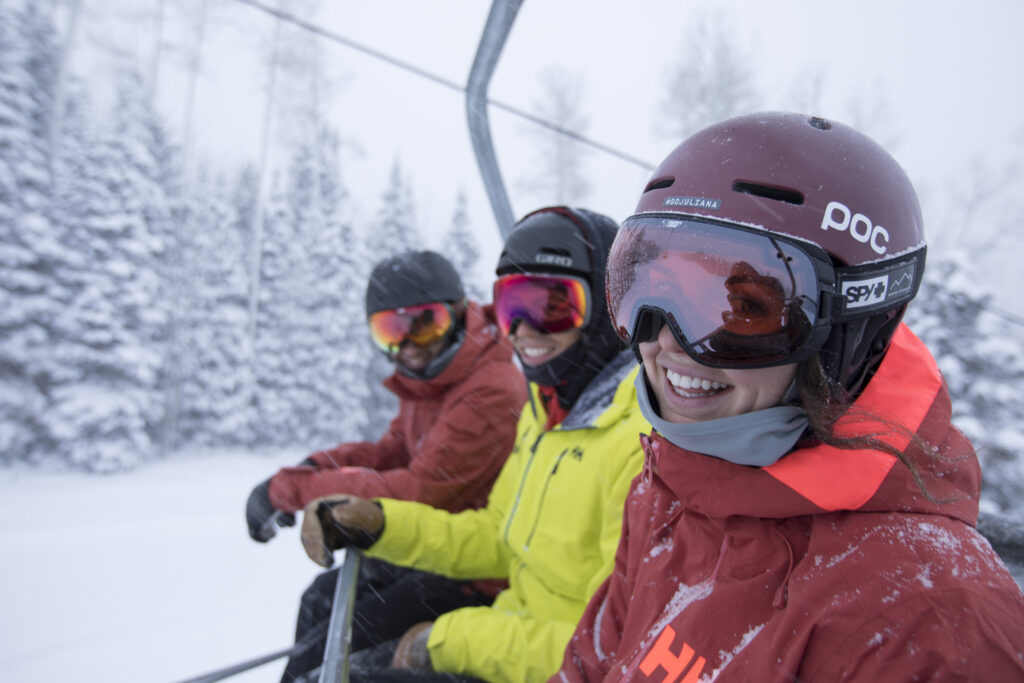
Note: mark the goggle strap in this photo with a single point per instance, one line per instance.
(868, 289)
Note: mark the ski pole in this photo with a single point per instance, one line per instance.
(339, 630)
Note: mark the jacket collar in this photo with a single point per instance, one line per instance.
(906, 391)
(603, 401)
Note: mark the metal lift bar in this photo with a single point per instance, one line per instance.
(496, 30)
(339, 631)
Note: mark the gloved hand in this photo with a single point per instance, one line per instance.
(334, 522)
(261, 515)
(411, 652)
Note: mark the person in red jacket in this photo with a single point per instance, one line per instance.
(460, 394)
(806, 510)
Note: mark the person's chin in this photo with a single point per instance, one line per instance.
(415, 365)
(537, 360)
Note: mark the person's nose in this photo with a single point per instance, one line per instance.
(522, 329)
(667, 340)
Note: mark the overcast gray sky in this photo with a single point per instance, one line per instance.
(945, 70)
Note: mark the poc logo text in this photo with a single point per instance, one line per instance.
(839, 217)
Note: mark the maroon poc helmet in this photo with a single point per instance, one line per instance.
(768, 238)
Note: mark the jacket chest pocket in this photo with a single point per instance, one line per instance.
(559, 507)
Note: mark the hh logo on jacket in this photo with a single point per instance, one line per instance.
(660, 656)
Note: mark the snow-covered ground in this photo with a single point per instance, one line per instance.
(145, 577)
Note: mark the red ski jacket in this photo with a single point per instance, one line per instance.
(446, 445)
(830, 565)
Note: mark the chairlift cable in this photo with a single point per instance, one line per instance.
(440, 80)
(508, 108)
(1004, 314)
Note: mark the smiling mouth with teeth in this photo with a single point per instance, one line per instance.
(694, 387)
(531, 352)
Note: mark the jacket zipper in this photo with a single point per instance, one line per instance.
(522, 483)
(526, 473)
(543, 495)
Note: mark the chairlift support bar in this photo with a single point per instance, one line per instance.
(496, 30)
(339, 630)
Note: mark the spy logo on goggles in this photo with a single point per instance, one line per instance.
(878, 292)
(548, 303)
(737, 296)
(864, 293)
(422, 325)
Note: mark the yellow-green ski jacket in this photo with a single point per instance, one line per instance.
(551, 527)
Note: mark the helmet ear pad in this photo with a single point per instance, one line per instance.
(854, 349)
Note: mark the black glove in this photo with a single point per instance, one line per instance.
(262, 516)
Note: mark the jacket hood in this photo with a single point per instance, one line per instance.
(482, 343)
(603, 401)
(586, 238)
(907, 396)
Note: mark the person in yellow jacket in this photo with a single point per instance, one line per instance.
(552, 522)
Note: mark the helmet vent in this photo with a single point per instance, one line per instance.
(779, 194)
(659, 184)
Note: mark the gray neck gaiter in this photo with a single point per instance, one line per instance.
(758, 438)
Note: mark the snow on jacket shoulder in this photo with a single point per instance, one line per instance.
(827, 566)
(550, 527)
(447, 443)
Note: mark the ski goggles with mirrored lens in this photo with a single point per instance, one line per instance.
(548, 303)
(422, 325)
(735, 296)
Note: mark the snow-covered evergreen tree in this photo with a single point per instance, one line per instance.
(108, 345)
(339, 270)
(461, 248)
(395, 230)
(214, 404)
(982, 359)
(278, 323)
(28, 244)
(311, 340)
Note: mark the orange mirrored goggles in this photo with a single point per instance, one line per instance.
(732, 296)
(422, 325)
(740, 296)
(548, 303)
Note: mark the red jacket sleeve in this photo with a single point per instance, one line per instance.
(389, 452)
(292, 488)
(460, 455)
(454, 463)
(952, 636)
